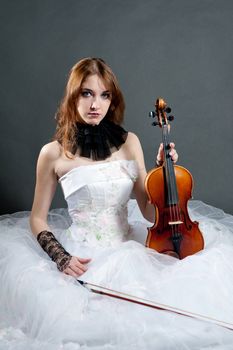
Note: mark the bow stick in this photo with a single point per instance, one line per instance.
(134, 299)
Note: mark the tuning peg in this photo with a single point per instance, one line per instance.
(154, 123)
(152, 114)
(170, 118)
(168, 110)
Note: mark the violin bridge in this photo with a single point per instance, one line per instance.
(178, 222)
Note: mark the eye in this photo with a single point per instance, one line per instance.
(86, 93)
(106, 95)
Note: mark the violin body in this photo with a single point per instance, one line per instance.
(169, 188)
(160, 234)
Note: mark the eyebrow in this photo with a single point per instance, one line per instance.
(87, 89)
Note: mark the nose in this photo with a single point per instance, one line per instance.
(94, 103)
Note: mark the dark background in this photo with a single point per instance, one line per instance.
(181, 50)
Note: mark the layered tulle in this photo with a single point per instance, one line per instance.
(41, 308)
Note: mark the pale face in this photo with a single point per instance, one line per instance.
(94, 100)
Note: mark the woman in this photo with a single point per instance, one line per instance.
(93, 107)
(99, 165)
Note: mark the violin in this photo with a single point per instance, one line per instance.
(169, 187)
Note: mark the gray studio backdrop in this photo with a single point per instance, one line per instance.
(181, 50)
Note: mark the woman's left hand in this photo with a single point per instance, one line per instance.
(160, 155)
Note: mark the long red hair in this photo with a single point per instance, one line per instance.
(67, 115)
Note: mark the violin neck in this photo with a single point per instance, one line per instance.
(170, 179)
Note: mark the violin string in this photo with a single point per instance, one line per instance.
(168, 171)
(172, 188)
(174, 198)
(178, 227)
(168, 178)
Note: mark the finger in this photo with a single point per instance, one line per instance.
(78, 271)
(174, 156)
(84, 260)
(173, 152)
(74, 271)
(70, 272)
(77, 267)
(159, 156)
(172, 145)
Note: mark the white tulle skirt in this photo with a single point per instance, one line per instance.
(43, 309)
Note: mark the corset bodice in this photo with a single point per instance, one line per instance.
(97, 197)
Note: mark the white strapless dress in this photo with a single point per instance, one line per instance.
(43, 309)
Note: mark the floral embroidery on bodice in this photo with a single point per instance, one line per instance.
(97, 197)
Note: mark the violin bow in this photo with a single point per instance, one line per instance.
(149, 303)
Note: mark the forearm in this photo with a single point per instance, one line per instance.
(48, 242)
(54, 249)
(38, 224)
(146, 208)
(149, 212)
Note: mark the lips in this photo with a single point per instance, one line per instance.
(92, 114)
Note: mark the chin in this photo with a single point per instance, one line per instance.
(94, 121)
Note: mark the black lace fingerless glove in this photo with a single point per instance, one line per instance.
(54, 249)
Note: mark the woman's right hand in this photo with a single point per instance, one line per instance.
(77, 266)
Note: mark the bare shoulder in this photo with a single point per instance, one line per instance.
(133, 143)
(133, 140)
(134, 150)
(51, 151)
(49, 156)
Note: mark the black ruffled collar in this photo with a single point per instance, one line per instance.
(99, 141)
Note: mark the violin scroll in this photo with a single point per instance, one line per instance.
(161, 110)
